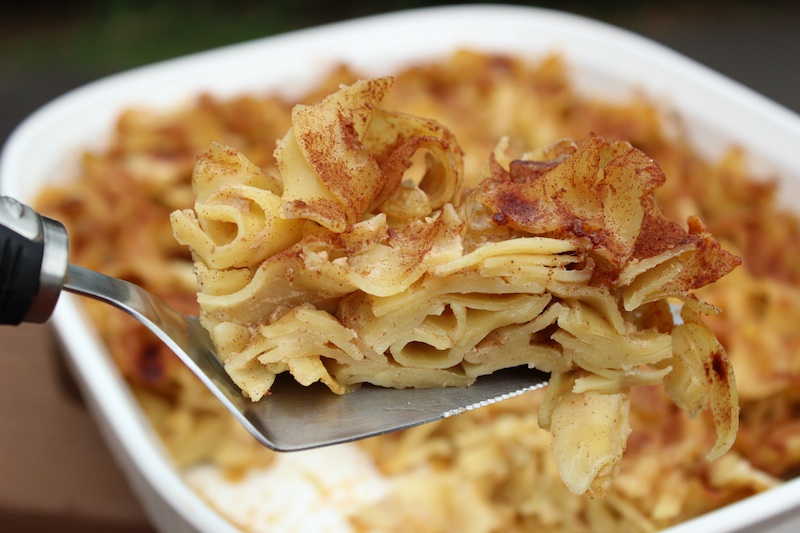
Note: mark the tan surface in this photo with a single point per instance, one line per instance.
(56, 473)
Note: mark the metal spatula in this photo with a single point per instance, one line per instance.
(34, 269)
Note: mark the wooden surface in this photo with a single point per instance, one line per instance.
(56, 473)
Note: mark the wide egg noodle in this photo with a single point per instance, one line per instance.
(589, 430)
(329, 174)
(234, 223)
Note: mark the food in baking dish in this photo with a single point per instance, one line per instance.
(496, 463)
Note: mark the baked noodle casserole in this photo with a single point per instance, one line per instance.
(490, 217)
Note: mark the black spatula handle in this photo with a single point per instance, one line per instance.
(33, 263)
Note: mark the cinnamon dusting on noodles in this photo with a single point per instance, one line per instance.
(559, 260)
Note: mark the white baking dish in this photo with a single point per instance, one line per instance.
(604, 60)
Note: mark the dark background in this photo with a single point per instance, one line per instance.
(49, 46)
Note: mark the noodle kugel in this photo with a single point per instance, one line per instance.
(305, 272)
(549, 285)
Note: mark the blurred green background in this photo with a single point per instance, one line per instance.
(49, 46)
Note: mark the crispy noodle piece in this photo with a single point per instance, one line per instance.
(350, 268)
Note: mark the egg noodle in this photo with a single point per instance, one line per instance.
(438, 272)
